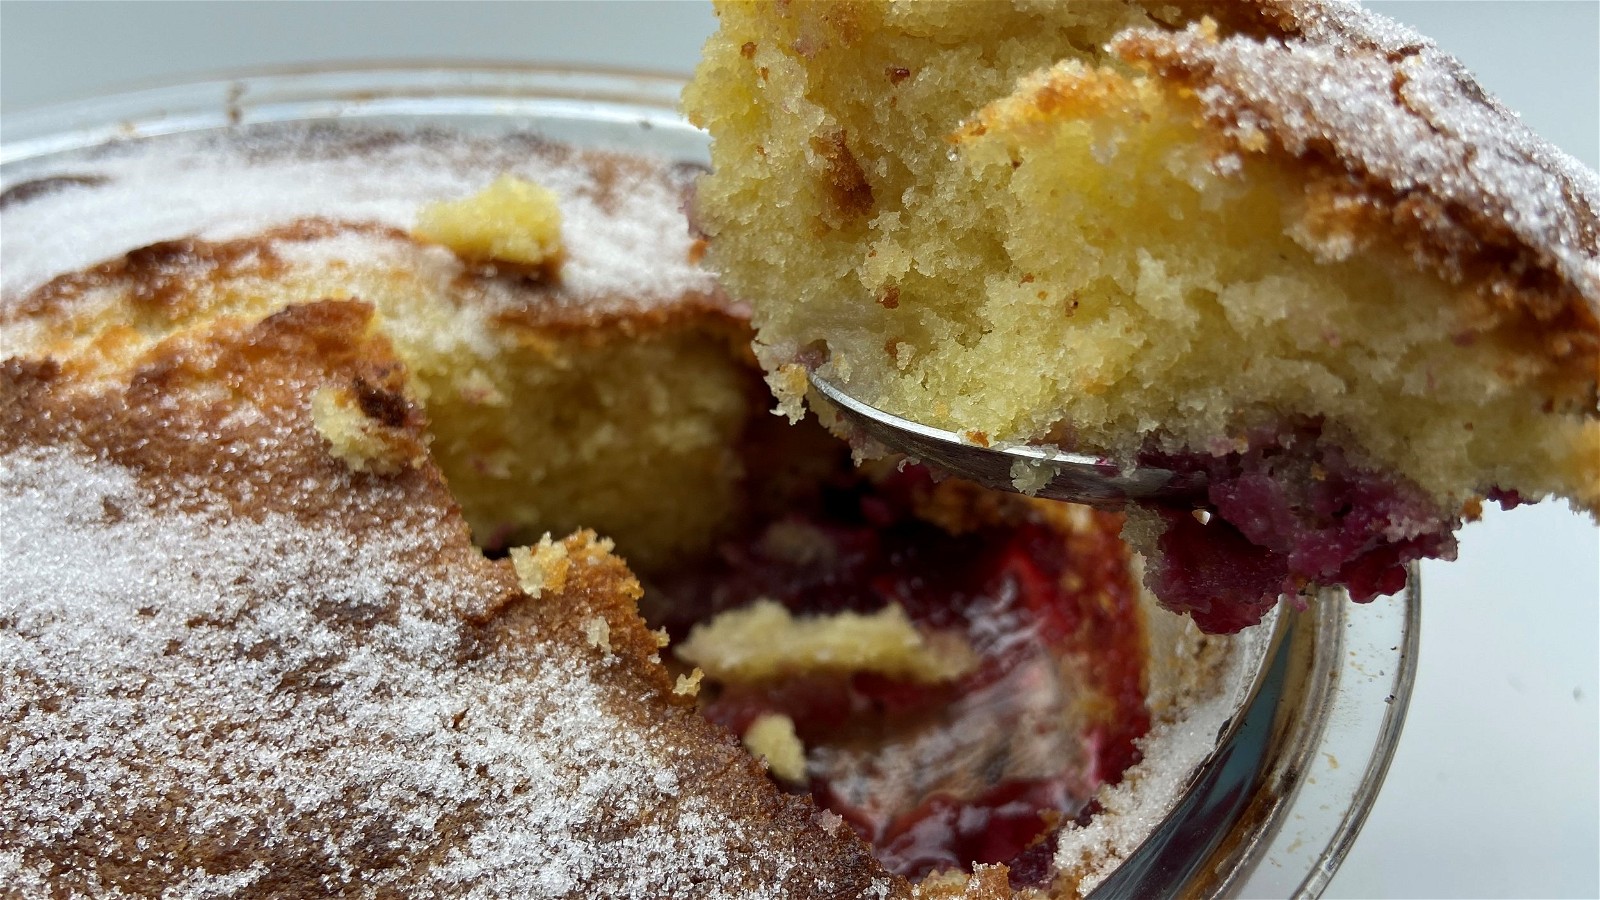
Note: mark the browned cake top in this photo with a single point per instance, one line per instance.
(628, 248)
(1421, 150)
(170, 285)
(232, 665)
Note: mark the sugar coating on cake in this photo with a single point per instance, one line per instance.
(1285, 245)
(539, 390)
(238, 183)
(160, 645)
(235, 663)
(1387, 102)
(250, 649)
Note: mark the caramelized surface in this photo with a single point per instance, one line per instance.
(234, 664)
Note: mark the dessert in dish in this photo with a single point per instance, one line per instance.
(631, 358)
(1289, 245)
(315, 549)
(1004, 680)
(234, 665)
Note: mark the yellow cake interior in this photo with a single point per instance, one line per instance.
(538, 426)
(979, 237)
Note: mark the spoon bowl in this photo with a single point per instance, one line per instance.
(1039, 471)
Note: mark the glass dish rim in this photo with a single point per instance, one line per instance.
(278, 93)
(377, 89)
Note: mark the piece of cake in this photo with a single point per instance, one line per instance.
(234, 664)
(248, 641)
(1288, 245)
(539, 390)
(287, 607)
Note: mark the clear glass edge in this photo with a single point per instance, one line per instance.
(401, 88)
(1387, 633)
(368, 90)
(1397, 703)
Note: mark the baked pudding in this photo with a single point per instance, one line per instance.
(399, 512)
(1292, 247)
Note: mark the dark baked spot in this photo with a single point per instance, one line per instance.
(164, 275)
(39, 187)
(356, 615)
(23, 372)
(847, 185)
(381, 405)
(317, 677)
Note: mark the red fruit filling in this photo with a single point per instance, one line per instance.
(1288, 513)
(979, 769)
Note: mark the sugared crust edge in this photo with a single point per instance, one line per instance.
(153, 422)
(1445, 173)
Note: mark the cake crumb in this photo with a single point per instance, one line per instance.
(356, 438)
(771, 737)
(512, 221)
(828, 820)
(543, 566)
(764, 640)
(788, 384)
(1030, 476)
(689, 685)
(904, 353)
(598, 632)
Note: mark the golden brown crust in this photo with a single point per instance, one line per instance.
(191, 385)
(622, 213)
(176, 279)
(1401, 149)
(161, 278)
(346, 695)
(215, 429)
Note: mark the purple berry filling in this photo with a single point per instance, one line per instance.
(1289, 513)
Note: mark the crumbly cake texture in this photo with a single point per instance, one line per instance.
(512, 221)
(248, 642)
(1185, 231)
(235, 665)
(764, 641)
(611, 396)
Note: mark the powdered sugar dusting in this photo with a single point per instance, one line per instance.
(622, 222)
(1394, 108)
(226, 705)
(1190, 713)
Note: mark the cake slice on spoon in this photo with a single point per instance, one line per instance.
(1293, 247)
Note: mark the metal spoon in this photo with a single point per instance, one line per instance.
(1066, 476)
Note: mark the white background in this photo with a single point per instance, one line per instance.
(1495, 790)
